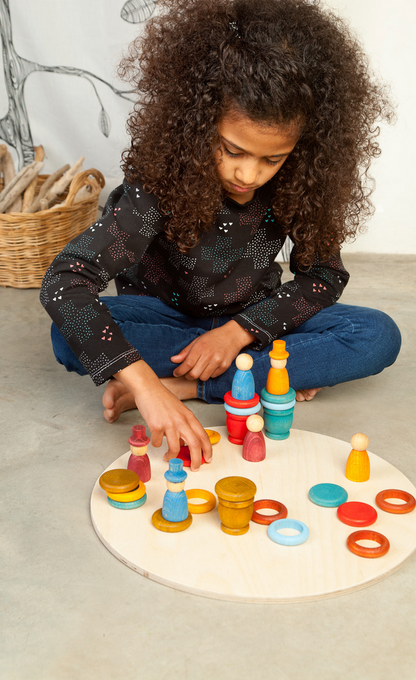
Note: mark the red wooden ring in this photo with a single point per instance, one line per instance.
(401, 509)
(241, 403)
(357, 514)
(268, 519)
(368, 535)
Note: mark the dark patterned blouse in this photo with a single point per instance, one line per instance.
(232, 270)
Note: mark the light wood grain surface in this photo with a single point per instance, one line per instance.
(205, 561)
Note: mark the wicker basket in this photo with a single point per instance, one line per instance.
(30, 241)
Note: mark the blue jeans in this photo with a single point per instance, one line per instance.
(338, 344)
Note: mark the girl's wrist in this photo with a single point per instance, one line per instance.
(136, 377)
(242, 336)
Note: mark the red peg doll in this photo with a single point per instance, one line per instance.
(254, 446)
(139, 460)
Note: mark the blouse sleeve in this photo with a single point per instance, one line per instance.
(295, 301)
(71, 286)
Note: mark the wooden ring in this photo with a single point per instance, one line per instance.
(128, 506)
(129, 496)
(200, 508)
(242, 411)
(214, 437)
(276, 536)
(170, 527)
(368, 535)
(268, 519)
(401, 509)
(241, 403)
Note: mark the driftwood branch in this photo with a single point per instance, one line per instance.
(62, 183)
(83, 193)
(19, 184)
(29, 194)
(9, 173)
(48, 183)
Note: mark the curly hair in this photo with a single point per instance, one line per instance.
(279, 62)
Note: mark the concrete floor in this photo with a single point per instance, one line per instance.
(70, 610)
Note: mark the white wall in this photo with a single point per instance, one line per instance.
(387, 30)
(90, 34)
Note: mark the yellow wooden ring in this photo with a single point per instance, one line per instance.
(129, 496)
(214, 437)
(200, 508)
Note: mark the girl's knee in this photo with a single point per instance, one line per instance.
(384, 337)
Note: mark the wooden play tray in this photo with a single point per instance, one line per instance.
(251, 568)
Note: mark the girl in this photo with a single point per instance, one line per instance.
(254, 122)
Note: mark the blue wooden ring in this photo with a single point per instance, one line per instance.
(242, 411)
(282, 539)
(128, 506)
(328, 495)
(278, 407)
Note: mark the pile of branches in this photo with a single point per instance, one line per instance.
(18, 194)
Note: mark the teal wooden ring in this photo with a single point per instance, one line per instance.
(278, 407)
(128, 506)
(282, 539)
(328, 495)
(242, 411)
(278, 398)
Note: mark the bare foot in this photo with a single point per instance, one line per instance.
(181, 387)
(307, 395)
(116, 399)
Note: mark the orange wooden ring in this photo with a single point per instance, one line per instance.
(272, 505)
(401, 509)
(214, 437)
(368, 535)
(200, 508)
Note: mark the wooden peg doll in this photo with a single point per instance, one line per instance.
(139, 460)
(175, 501)
(254, 446)
(243, 387)
(278, 379)
(358, 463)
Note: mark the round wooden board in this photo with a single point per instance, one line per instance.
(251, 568)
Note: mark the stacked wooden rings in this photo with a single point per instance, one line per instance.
(238, 410)
(124, 489)
(278, 413)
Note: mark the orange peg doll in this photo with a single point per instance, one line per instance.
(139, 460)
(278, 379)
(358, 463)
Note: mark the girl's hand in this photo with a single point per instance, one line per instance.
(165, 415)
(212, 353)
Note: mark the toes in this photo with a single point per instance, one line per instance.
(110, 416)
(300, 396)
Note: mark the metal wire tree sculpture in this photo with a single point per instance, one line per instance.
(15, 125)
